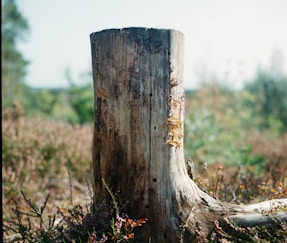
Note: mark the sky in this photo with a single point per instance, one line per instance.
(225, 40)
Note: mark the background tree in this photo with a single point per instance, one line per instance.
(269, 89)
(14, 29)
(80, 99)
(270, 92)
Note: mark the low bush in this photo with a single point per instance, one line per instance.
(36, 156)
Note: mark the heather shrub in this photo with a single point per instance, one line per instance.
(92, 223)
(234, 163)
(37, 154)
(54, 159)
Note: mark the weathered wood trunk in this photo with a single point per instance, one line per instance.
(138, 133)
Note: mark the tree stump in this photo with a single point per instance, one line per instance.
(138, 134)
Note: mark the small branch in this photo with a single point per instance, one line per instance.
(71, 187)
(266, 207)
(256, 219)
(270, 213)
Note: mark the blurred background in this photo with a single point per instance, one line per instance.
(46, 46)
(235, 81)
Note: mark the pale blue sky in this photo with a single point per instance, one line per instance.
(224, 39)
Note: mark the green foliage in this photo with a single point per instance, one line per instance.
(14, 25)
(73, 104)
(216, 124)
(49, 104)
(13, 68)
(81, 100)
(270, 101)
(43, 100)
(248, 159)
